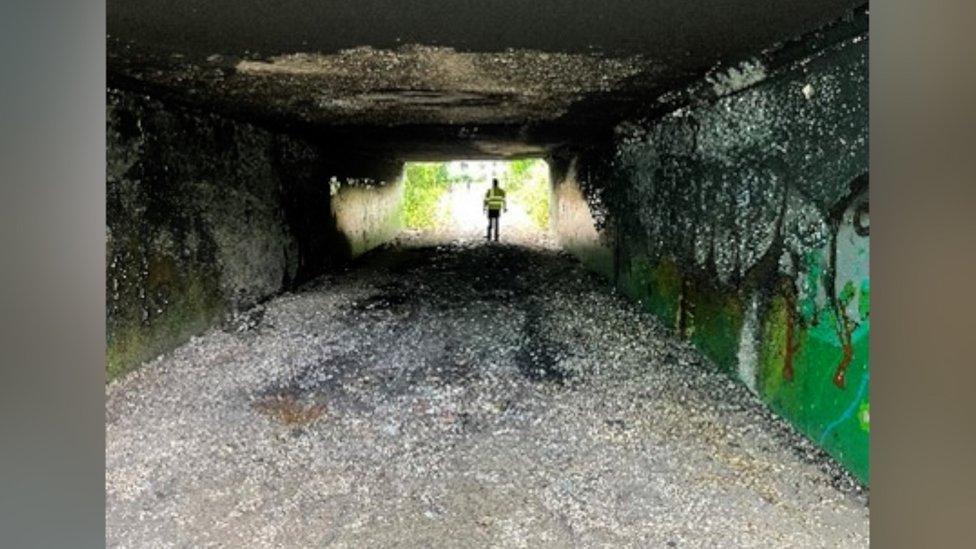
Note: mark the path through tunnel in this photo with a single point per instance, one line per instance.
(446, 201)
(310, 342)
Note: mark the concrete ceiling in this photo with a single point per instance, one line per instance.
(515, 70)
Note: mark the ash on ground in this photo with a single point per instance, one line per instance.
(462, 395)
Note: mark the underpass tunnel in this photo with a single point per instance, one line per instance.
(708, 166)
(446, 201)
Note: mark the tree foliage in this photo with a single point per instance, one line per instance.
(425, 183)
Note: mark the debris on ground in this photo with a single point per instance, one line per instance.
(461, 395)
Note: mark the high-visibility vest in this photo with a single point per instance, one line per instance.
(495, 199)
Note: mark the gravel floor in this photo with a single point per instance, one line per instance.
(462, 396)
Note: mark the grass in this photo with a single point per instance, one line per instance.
(526, 183)
(425, 182)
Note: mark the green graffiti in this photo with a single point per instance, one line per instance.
(847, 294)
(864, 416)
(811, 400)
(864, 300)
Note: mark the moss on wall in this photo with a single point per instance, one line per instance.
(132, 342)
(714, 323)
(663, 289)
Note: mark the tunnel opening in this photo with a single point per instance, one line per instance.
(446, 201)
(677, 313)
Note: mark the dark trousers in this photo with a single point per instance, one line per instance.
(493, 216)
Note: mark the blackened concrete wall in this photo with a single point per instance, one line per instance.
(207, 216)
(741, 219)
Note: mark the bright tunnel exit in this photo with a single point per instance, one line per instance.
(445, 201)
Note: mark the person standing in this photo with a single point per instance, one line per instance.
(494, 204)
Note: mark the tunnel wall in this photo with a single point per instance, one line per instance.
(207, 216)
(571, 219)
(368, 215)
(742, 222)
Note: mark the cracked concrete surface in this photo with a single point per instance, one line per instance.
(475, 395)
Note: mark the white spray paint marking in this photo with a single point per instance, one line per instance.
(748, 356)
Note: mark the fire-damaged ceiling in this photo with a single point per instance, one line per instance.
(514, 76)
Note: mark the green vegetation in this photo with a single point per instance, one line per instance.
(425, 183)
(195, 307)
(528, 184)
